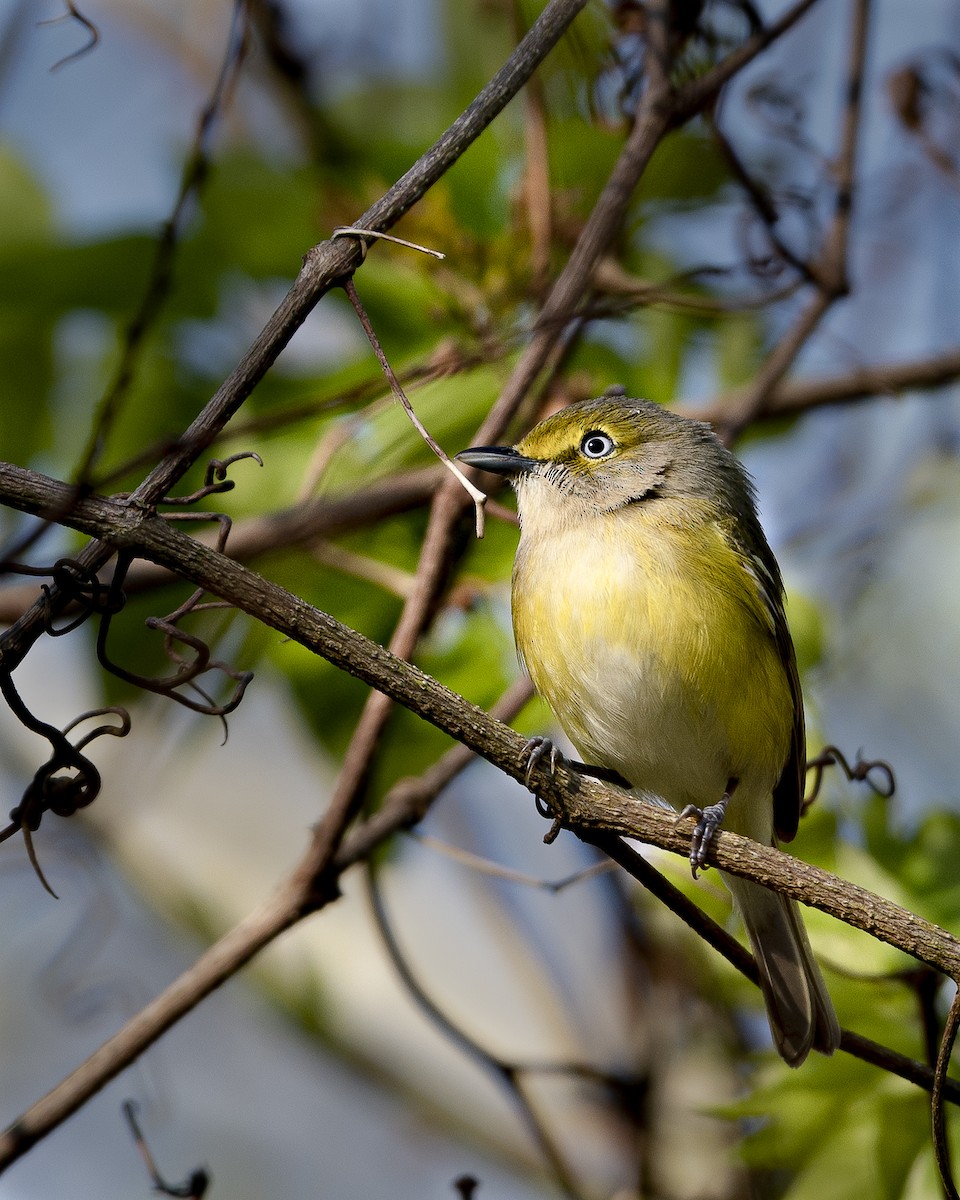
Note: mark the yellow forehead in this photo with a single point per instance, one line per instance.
(561, 434)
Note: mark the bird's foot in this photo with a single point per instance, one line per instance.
(538, 748)
(542, 749)
(709, 820)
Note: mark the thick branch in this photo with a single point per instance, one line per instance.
(584, 802)
(323, 266)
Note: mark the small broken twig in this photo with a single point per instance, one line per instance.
(479, 498)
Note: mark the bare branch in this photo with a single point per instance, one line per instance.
(795, 396)
(700, 93)
(93, 33)
(829, 271)
(941, 1146)
(323, 267)
(194, 174)
(508, 1074)
(582, 802)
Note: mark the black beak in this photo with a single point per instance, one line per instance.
(498, 460)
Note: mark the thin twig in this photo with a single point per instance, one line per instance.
(759, 198)
(194, 174)
(394, 580)
(775, 366)
(160, 276)
(194, 1187)
(828, 272)
(485, 866)
(508, 1075)
(941, 1145)
(695, 96)
(323, 267)
(93, 33)
(478, 497)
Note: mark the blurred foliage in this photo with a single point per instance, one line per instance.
(837, 1128)
(840, 1127)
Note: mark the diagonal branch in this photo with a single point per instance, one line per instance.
(323, 267)
(829, 271)
(586, 805)
(583, 802)
(437, 553)
(798, 395)
(703, 91)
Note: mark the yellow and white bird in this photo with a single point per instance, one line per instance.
(648, 610)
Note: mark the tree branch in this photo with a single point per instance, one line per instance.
(323, 266)
(586, 805)
(796, 396)
(829, 271)
(583, 802)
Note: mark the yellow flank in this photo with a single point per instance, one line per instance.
(656, 652)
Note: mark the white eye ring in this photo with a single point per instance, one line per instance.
(597, 444)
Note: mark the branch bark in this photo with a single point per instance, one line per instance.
(792, 397)
(323, 267)
(586, 805)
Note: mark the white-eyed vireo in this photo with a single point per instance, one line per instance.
(648, 609)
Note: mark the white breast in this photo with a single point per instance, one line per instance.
(584, 624)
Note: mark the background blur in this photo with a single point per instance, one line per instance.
(317, 1074)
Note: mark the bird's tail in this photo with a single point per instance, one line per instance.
(799, 1008)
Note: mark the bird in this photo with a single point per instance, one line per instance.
(648, 611)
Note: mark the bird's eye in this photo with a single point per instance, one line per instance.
(597, 444)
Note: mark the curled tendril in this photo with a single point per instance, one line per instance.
(193, 1187)
(215, 479)
(93, 33)
(67, 781)
(223, 521)
(877, 773)
(187, 669)
(77, 584)
(83, 587)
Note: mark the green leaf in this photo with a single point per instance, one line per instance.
(25, 209)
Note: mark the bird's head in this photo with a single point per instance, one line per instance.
(602, 455)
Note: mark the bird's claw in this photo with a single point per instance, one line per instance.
(538, 748)
(709, 820)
